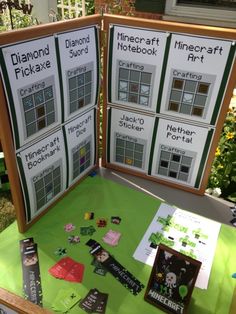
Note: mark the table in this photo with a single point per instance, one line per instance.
(136, 209)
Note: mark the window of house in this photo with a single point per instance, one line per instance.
(208, 12)
(210, 3)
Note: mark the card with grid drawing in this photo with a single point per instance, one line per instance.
(80, 137)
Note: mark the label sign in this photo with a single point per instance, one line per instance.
(43, 173)
(79, 57)
(32, 87)
(81, 145)
(136, 57)
(178, 154)
(130, 139)
(193, 77)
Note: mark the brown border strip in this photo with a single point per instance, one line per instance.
(20, 305)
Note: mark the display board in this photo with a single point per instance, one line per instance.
(50, 106)
(182, 76)
(164, 104)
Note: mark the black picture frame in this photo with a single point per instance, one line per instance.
(172, 280)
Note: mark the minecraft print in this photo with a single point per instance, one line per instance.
(38, 106)
(42, 167)
(179, 152)
(130, 150)
(135, 83)
(47, 184)
(80, 86)
(175, 163)
(135, 66)
(193, 86)
(190, 93)
(81, 157)
(33, 88)
(130, 139)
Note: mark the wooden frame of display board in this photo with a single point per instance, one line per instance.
(167, 88)
(49, 120)
(12, 303)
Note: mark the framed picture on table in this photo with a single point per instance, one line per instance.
(172, 280)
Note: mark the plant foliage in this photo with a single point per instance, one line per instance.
(223, 171)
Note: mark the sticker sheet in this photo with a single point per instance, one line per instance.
(187, 233)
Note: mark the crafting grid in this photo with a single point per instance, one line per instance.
(175, 165)
(189, 97)
(48, 185)
(80, 86)
(39, 107)
(81, 157)
(129, 152)
(134, 86)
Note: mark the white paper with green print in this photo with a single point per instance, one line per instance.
(43, 173)
(79, 62)
(135, 65)
(80, 137)
(193, 77)
(178, 151)
(31, 82)
(130, 139)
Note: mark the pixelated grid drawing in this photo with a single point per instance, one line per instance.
(81, 157)
(190, 93)
(38, 105)
(135, 83)
(48, 184)
(175, 163)
(130, 150)
(80, 86)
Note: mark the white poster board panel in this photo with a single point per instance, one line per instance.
(193, 76)
(178, 152)
(43, 173)
(135, 68)
(80, 137)
(33, 87)
(80, 69)
(130, 139)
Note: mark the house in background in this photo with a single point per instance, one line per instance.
(220, 13)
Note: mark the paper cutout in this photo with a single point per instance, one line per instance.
(94, 302)
(74, 239)
(65, 300)
(115, 220)
(115, 268)
(68, 269)
(31, 273)
(87, 230)
(101, 223)
(69, 227)
(89, 216)
(112, 237)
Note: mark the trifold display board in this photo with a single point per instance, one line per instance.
(166, 91)
(50, 77)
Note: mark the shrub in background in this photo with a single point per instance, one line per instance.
(223, 171)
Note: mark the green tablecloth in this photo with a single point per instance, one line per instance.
(106, 198)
